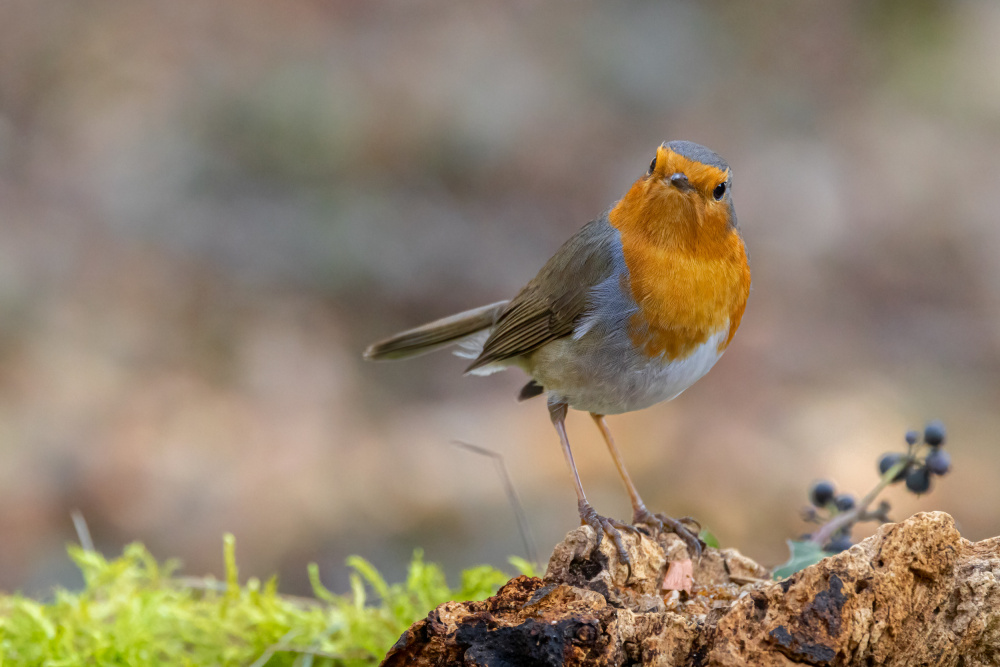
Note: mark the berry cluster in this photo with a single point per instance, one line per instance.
(838, 513)
(911, 467)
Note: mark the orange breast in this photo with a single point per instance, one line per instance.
(684, 300)
(688, 271)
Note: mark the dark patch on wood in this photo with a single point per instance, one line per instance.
(826, 607)
(533, 643)
(705, 639)
(583, 572)
(760, 606)
(586, 634)
(585, 568)
(632, 654)
(799, 649)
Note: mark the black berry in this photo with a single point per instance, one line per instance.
(845, 502)
(938, 461)
(934, 434)
(821, 493)
(912, 437)
(918, 480)
(889, 460)
(839, 543)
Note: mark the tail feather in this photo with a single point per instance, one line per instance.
(436, 334)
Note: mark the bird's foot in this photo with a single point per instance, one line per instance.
(659, 522)
(612, 527)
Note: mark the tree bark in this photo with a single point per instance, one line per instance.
(915, 593)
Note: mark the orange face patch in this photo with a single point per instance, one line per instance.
(687, 264)
(703, 176)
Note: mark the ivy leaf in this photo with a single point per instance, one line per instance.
(803, 554)
(708, 538)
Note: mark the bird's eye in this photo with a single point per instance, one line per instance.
(652, 165)
(719, 191)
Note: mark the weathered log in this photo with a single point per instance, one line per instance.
(915, 593)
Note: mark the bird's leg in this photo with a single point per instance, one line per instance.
(639, 512)
(600, 524)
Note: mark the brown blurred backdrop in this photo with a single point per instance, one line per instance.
(207, 209)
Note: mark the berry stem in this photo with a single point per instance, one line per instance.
(860, 511)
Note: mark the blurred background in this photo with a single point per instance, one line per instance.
(208, 209)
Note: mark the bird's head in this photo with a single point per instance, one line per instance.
(684, 198)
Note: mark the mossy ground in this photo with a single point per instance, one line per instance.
(134, 611)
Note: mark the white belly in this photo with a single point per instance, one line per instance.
(603, 376)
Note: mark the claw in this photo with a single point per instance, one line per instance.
(621, 525)
(693, 542)
(661, 522)
(602, 525)
(644, 516)
(690, 520)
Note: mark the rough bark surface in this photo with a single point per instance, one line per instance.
(915, 593)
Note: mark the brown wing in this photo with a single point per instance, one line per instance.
(550, 305)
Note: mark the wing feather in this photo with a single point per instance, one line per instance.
(549, 306)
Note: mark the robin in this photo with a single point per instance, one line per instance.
(630, 311)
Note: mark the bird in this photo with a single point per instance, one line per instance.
(633, 309)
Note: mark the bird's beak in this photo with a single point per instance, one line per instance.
(681, 182)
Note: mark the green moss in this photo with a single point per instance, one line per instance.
(134, 611)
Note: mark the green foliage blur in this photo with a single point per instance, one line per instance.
(135, 611)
